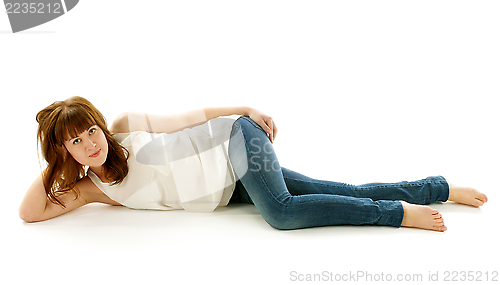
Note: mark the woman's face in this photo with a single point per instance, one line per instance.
(89, 148)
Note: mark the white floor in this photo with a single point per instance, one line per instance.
(365, 91)
(103, 244)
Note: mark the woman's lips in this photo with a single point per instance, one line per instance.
(96, 154)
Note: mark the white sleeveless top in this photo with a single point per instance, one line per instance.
(189, 169)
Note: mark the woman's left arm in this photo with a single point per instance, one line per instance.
(130, 121)
(214, 112)
(170, 123)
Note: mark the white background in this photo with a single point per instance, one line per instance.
(361, 91)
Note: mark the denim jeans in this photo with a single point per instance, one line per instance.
(289, 200)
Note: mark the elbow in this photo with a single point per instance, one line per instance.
(27, 216)
(120, 124)
(29, 221)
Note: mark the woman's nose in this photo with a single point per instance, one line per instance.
(90, 144)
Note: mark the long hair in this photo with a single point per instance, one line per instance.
(61, 121)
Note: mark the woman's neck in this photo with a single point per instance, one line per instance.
(99, 171)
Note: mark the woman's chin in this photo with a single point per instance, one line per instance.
(95, 164)
(98, 162)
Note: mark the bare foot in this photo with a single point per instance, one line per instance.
(422, 217)
(466, 195)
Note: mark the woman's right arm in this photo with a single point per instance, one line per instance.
(37, 207)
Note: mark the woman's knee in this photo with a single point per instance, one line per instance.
(280, 223)
(247, 124)
(280, 219)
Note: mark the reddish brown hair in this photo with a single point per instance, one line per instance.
(61, 121)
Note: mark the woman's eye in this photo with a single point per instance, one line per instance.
(93, 130)
(76, 141)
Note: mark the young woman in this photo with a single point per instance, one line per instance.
(197, 161)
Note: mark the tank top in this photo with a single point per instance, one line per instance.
(188, 169)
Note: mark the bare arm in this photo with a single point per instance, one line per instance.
(211, 113)
(36, 207)
(131, 121)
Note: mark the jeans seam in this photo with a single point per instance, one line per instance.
(317, 183)
(420, 184)
(306, 202)
(343, 186)
(365, 187)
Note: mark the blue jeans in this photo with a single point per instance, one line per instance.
(289, 200)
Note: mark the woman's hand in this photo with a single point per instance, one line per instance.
(265, 122)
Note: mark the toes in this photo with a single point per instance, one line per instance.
(479, 195)
(483, 198)
(476, 203)
(439, 222)
(441, 228)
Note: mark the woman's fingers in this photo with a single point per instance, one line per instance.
(271, 132)
(265, 122)
(275, 130)
(271, 129)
